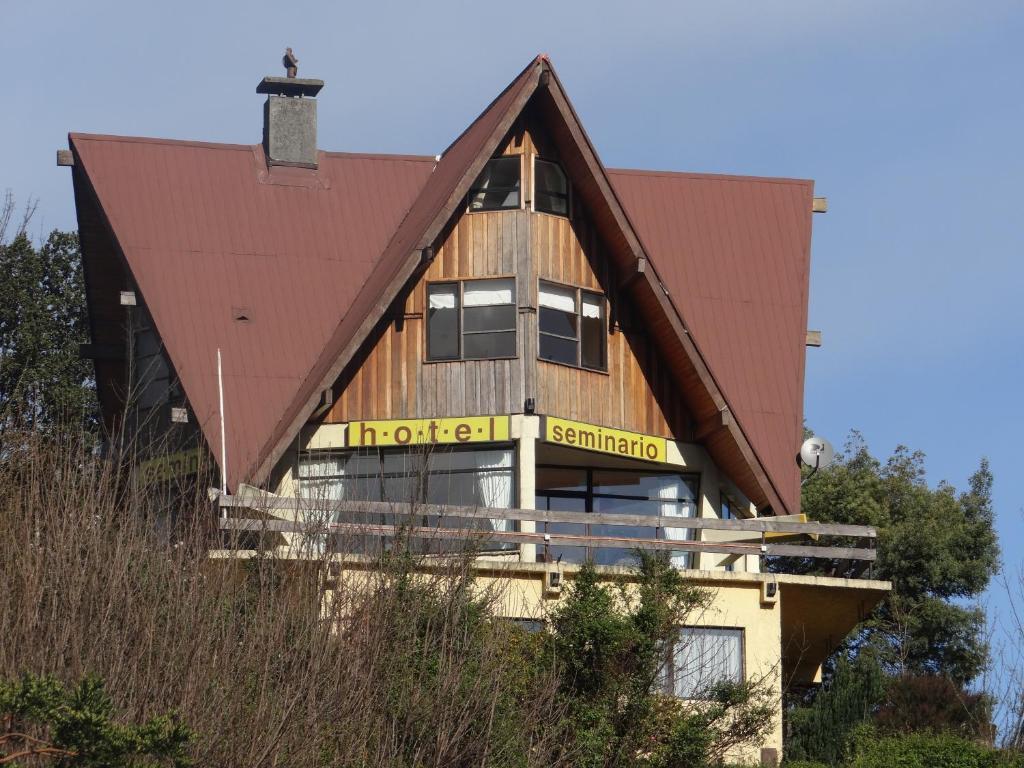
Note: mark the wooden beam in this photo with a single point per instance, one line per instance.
(813, 339)
(552, 539)
(279, 504)
(639, 269)
(721, 420)
(101, 352)
(65, 158)
(819, 205)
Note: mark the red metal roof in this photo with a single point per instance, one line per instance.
(313, 257)
(208, 233)
(734, 253)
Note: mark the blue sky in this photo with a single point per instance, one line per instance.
(907, 114)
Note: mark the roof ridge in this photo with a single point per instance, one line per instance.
(542, 57)
(155, 140)
(711, 176)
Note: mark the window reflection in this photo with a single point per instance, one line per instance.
(624, 492)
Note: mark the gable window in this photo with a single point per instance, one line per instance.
(550, 188)
(498, 186)
(701, 658)
(572, 326)
(471, 319)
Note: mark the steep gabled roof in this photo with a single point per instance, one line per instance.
(208, 233)
(460, 164)
(205, 230)
(735, 252)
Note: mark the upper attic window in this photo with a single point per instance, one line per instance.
(550, 188)
(498, 187)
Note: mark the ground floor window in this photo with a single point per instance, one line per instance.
(702, 657)
(445, 475)
(633, 492)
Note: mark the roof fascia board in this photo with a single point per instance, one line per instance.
(657, 288)
(94, 200)
(310, 396)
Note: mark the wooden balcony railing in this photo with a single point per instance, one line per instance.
(277, 514)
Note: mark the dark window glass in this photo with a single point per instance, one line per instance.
(561, 479)
(443, 321)
(494, 318)
(473, 477)
(557, 322)
(557, 349)
(593, 335)
(572, 326)
(497, 188)
(480, 346)
(626, 492)
(556, 552)
(550, 188)
(472, 320)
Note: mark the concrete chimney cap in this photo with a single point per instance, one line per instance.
(289, 86)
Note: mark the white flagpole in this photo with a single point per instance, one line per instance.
(223, 444)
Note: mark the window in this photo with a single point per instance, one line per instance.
(702, 657)
(550, 188)
(471, 320)
(497, 188)
(572, 326)
(458, 476)
(623, 492)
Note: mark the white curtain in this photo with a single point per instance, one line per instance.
(320, 477)
(554, 297)
(320, 481)
(591, 306)
(704, 656)
(442, 298)
(485, 293)
(495, 487)
(672, 507)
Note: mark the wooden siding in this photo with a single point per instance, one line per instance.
(393, 380)
(637, 392)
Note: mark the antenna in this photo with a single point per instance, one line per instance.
(223, 444)
(817, 453)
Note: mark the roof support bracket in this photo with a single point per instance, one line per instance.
(721, 420)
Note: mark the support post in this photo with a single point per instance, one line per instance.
(529, 433)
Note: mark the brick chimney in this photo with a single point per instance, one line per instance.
(289, 117)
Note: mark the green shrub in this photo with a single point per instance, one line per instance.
(924, 750)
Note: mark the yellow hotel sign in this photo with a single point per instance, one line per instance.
(616, 442)
(461, 429)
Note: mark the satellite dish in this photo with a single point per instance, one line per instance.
(817, 452)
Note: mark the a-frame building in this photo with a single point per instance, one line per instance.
(566, 338)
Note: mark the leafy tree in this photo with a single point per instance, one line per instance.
(41, 718)
(936, 546)
(43, 320)
(610, 648)
(820, 731)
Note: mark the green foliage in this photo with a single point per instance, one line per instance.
(936, 546)
(44, 719)
(930, 702)
(610, 647)
(43, 319)
(820, 731)
(924, 750)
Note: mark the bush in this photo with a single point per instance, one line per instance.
(924, 750)
(934, 703)
(43, 719)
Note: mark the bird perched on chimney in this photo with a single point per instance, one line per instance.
(291, 64)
